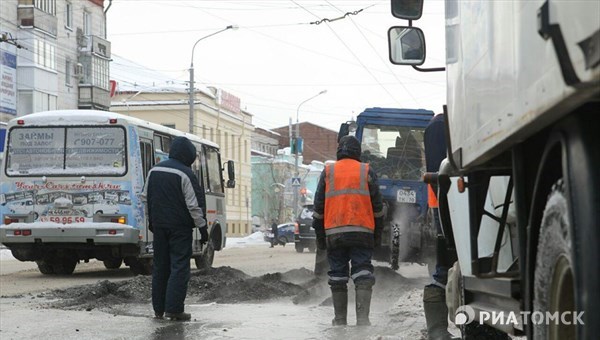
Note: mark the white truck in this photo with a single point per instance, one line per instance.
(520, 190)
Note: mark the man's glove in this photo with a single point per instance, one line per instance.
(322, 243)
(203, 235)
(377, 240)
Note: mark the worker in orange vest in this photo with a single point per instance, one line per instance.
(348, 221)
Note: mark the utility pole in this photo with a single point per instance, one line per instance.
(192, 92)
(297, 136)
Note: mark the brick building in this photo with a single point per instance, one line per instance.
(320, 144)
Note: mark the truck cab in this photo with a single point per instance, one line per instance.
(392, 143)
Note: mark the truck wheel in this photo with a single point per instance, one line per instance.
(113, 263)
(312, 248)
(140, 266)
(64, 267)
(44, 267)
(554, 287)
(206, 260)
(477, 331)
(299, 248)
(394, 246)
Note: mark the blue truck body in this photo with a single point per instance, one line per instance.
(392, 143)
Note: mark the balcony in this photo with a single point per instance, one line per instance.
(29, 16)
(91, 97)
(93, 44)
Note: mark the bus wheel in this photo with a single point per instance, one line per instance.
(44, 267)
(554, 288)
(140, 266)
(64, 266)
(205, 261)
(113, 263)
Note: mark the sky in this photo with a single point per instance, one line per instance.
(277, 59)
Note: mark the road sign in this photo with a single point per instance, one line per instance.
(295, 181)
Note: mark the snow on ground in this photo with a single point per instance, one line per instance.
(5, 254)
(254, 239)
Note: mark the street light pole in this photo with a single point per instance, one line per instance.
(192, 93)
(297, 134)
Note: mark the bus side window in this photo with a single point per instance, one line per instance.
(166, 143)
(147, 157)
(213, 170)
(157, 142)
(198, 167)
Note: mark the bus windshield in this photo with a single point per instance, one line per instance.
(63, 151)
(394, 152)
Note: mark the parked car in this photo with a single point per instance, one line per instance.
(285, 233)
(304, 234)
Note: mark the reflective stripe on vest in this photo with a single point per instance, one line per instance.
(347, 197)
(432, 200)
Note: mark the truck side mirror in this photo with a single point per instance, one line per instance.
(406, 45)
(407, 9)
(230, 174)
(347, 128)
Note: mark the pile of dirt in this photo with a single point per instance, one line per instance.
(221, 285)
(208, 287)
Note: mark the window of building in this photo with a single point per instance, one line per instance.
(87, 23)
(48, 6)
(69, 15)
(226, 151)
(43, 101)
(45, 54)
(68, 71)
(100, 73)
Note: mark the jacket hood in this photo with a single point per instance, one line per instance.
(348, 147)
(183, 150)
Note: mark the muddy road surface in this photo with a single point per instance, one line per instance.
(253, 292)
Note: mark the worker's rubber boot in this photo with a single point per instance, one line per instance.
(183, 316)
(339, 295)
(436, 313)
(363, 303)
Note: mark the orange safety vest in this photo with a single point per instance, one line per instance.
(432, 198)
(347, 198)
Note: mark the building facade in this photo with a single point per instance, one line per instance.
(320, 144)
(151, 96)
(54, 55)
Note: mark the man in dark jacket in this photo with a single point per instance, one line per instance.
(275, 232)
(434, 294)
(175, 205)
(348, 222)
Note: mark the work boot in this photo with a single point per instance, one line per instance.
(178, 316)
(363, 304)
(339, 295)
(436, 313)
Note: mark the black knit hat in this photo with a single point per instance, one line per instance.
(348, 147)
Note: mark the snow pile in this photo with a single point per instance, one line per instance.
(6, 254)
(256, 238)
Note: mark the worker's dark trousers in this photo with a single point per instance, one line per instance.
(442, 257)
(171, 268)
(355, 261)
